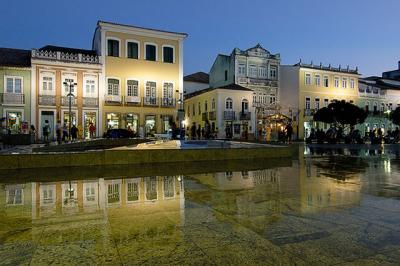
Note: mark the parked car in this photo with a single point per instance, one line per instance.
(118, 133)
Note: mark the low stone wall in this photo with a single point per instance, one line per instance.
(95, 144)
(132, 157)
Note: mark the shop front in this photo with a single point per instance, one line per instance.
(14, 121)
(112, 120)
(166, 123)
(89, 121)
(150, 125)
(132, 122)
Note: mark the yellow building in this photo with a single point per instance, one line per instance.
(228, 109)
(306, 88)
(143, 80)
(51, 67)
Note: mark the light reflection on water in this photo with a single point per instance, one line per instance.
(327, 206)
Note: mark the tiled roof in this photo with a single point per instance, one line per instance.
(199, 77)
(125, 25)
(234, 87)
(69, 50)
(15, 57)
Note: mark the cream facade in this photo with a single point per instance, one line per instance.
(51, 67)
(307, 88)
(143, 77)
(228, 109)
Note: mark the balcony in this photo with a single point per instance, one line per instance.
(12, 98)
(309, 112)
(204, 116)
(132, 100)
(112, 99)
(150, 101)
(229, 115)
(168, 102)
(212, 115)
(90, 102)
(245, 115)
(65, 101)
(48, 100)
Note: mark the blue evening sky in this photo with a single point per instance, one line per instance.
(361, 33)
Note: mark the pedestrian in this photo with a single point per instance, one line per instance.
(46, 132)
(65, 132)
(198, 132)
(32, 132)
(58, 131)
(141, 132)
(92, 130)
(193, 131)
(74, 132)
(289, 132)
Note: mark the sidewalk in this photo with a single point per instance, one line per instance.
(18, 148)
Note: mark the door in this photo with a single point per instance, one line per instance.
(49, 116)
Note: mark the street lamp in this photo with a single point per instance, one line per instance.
(71, 84)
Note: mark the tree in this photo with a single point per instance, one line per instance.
(395, 116)
(341, 114)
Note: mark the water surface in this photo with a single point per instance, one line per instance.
(324, 207)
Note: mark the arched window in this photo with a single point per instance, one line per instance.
(245, 105)
(213, 104)
(228, 104)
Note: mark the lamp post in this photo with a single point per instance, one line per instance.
(71, 84)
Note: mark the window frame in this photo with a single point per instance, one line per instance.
(145, 89)
(305, 79)
(13, 87)
(231, 104)
(126, 48)
(119, 85)
(173, 86)
(126, 86)
(119, 46)
(336, 78)
(145, 51)
(317, 80)
(326, 78)
(173, 53)
(47, 74)
(90, 76)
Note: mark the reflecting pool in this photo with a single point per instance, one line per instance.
(323, 207)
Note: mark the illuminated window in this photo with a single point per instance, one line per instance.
(316, 103)
(352, 83)
(344, 83)
(336, 83)
(318, 80)
(308, 105)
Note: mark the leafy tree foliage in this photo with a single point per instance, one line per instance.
(395, 116)
(341, 114)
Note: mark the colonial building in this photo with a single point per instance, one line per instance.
(143, 80)
(308, 87)
(195, 82)
(378, 96)
(228, 109)
(52, 66)
(393, 74)
(15, 89)
(256, 69)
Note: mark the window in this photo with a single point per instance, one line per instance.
(308, 79)
(13, 84)
(318, 80)
(326, 102)
(113, 193)
(213, 104)
(253, 71)
(316, 103)
(168, 90)
(151, 52)
(199, 108)
(336, 82)
(113, 48)
(132, 190)
(344, 83)
(262, 72)
(132, 50)
(326, 81)
(226, 75)
(168, 54)
(205, 106)
(352, 83)
(47, 84)
(308, 103)
(113, 87)
(382, 107)
(151, 90)
(14, 196)
(272, 72)
(132, 88)
(245, 105)
(228, 104)
(169, 186)
(242, 70)
(151, 188)
(194, 111)
(90, 87)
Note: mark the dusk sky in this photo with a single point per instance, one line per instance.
(361, 33)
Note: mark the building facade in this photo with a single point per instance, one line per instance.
(52, 66)
(143, 77)
(257, 69)
(228, 109)
(307, 88)
(15, 90)
(195, 82)
(393, 74)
